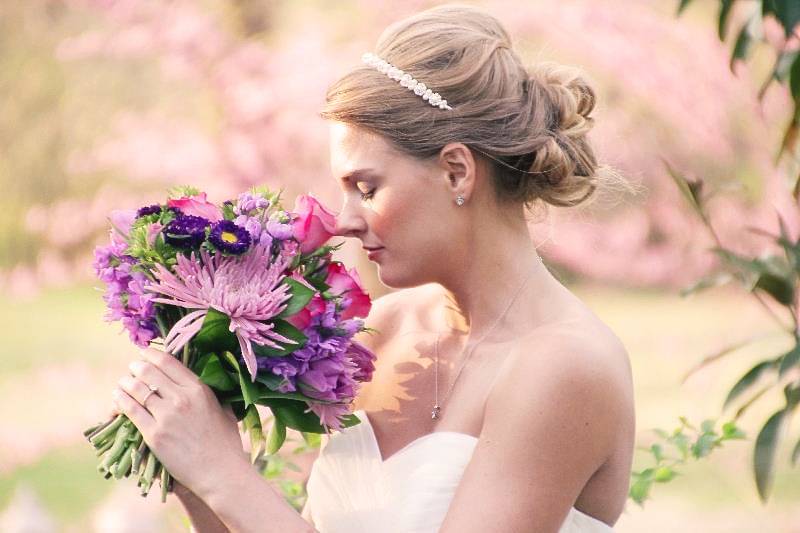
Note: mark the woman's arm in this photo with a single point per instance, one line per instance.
(244, 501)
(201, 517)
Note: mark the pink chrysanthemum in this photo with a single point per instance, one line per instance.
(248, 289)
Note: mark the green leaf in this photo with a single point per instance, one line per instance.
(789, 360)
(215, 335)
(266, 395)
(312, 439)
(786, 62)
(292, 414)
(764, 454)
(640, 488)
(750, 34)
(714, 280)
(248, 388)
(213, 374)
(683, 5)
(691, 189)
(252, 425)
(730, 431)
(724, 14)
(786, 11)
(284, 328)
(663, 474)
(276, 437)
(705, 443)
(748, 379)
(657, 452)
(794, 78)
(719, 354)
(796, 453)
(301, 295)
(780, 287)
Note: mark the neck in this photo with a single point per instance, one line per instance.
(505, 255)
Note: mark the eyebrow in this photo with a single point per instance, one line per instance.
(355, 174)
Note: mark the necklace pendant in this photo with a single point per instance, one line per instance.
(435, 412)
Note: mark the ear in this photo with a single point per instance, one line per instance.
(460, 166)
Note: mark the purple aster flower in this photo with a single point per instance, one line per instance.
(186, 231)
(148, 210)
(228, 237)
(247, 288)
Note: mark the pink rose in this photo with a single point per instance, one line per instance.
(348, 284)
(302, 319)
(312, 224)
(198, 206)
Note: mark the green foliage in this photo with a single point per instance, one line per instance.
(771, 275)
(675, 449)
(787, 62)
(284, 328)
(301, 295)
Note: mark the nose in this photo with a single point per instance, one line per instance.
(350, 221)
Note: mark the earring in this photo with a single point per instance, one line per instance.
(460, 200)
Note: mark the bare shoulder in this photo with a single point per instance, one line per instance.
(578, 370)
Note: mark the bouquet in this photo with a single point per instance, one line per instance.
(247, 295)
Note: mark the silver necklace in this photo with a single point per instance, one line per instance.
(436, 407)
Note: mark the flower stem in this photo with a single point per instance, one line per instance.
(124, 464)
(117, 448)
(138, 454)
(165, 482)
(149, 470)
(109, 429)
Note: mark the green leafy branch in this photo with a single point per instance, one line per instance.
(675, 449)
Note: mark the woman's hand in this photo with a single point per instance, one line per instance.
(183, 423)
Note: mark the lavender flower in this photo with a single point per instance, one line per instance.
(247, 288)
(228, 237)
(125, 296)
(249, 202)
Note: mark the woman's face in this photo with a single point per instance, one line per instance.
(393, 202)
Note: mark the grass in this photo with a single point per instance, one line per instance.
(66, 481)
(56, 326)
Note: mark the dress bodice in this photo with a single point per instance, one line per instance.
(351, 489)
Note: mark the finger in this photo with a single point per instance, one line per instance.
(228, 409)
(170, 366)
(137, 414)
(139, 391)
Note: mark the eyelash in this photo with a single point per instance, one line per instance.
(367, 195)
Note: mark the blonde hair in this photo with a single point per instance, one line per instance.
(530, 125)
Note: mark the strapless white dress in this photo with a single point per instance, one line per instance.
(350, 490)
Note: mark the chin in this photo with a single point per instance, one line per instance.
(398, 277)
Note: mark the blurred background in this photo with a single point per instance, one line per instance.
(104, 104)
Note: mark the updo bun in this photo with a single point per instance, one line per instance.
(530, 125)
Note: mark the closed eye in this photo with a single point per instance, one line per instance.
(367, 195)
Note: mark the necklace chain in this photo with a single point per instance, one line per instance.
(436, 407)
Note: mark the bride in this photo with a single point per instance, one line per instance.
(499, 402)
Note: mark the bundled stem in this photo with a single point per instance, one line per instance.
(123, 451)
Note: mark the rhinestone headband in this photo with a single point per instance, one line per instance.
(405, 79)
